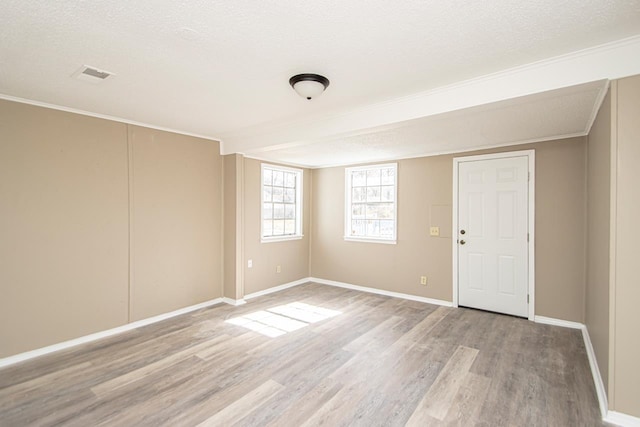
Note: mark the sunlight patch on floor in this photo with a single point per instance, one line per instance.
(282, 319)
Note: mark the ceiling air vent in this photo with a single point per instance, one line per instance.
(91, 74)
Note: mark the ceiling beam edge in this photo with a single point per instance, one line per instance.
(604, 62)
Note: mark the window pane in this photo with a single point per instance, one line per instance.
(289, 195)
(359, 195)
(267, 211)
(278, 178)
(267, 177)
(387, 193)
(278, 211)
(267, 227)
(372, 211)
(278, 227)
(358, 228)
(386, 228)
(278, 194)
(373, 194)
(289, 211)
(266, 193)
(357, 212)
(373, 177)
(387, 176)
(358, 178)
(373, 228)
(290, 226)
(290, 180)
(385, 211)
(379, 211)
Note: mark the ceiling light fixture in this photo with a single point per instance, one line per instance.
(309, 85)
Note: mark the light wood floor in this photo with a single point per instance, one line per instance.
(381, 362)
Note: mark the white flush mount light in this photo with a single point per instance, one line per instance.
(309, 85)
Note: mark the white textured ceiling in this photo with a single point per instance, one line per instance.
(560, 113)
(220, 69)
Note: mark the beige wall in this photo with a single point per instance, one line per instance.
(598, 206)
(560, 229)
(63, 226)
(425, 199)
(292, 255)
(422, 183)
(176, 234)
(65, 182)
(624, 388)
(233, 226)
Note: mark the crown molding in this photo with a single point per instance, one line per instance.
(106, 117)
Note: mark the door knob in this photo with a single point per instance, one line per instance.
(462, 242)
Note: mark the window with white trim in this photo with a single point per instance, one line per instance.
(281, 203)
(371, 203)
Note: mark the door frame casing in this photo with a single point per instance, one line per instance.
(530, 154)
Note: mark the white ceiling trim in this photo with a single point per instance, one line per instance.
(278, 162)
(596, 107)
(106, 117)
(426, 154)
(608, 61)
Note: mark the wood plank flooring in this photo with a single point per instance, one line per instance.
(379, 362)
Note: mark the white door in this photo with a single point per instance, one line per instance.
(492, 234)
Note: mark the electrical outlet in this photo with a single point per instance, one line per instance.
(250, 263)
(434, 231)
(423, 280)
(278, 269)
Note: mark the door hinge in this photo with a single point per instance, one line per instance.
(527, 237)
(528, 176)
(527, 298)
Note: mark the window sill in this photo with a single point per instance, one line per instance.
(370, 240)
(281, 238)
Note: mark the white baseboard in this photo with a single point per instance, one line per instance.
(558, 322)
(277, 288)
(232, 301)
(102, 334)
(595, 372)
(591, 356)
(381, 292)
(129, 326)
(620, 419)
(613, 417)
(348, 286)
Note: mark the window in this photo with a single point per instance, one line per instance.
(281, 203)
(371, 206)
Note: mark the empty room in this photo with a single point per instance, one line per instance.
(298, 213)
